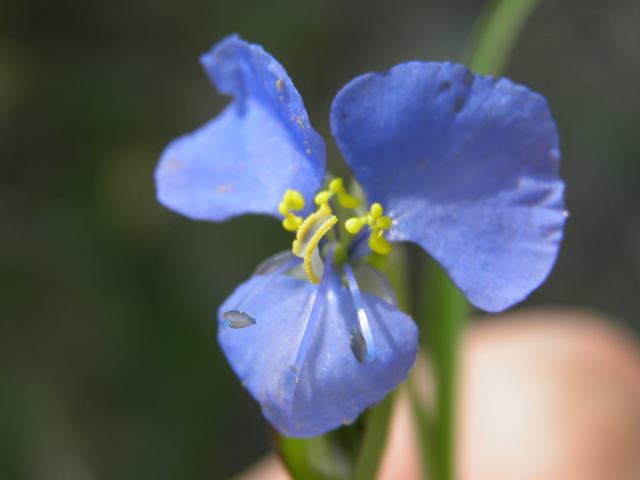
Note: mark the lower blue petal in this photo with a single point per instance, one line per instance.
(466, 166)
(334, 388)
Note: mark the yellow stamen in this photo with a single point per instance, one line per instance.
(323, 197)
(292, 222)
(379, 244)
(354, 225)
(336, 187)
(305, 245)
(383, 222)
(377, 223)
(292, 200)
(312, 262)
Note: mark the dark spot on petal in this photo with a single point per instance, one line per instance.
(468, 78)
(344, 115)
(384, 72)
(358, 345)
(445, 85)
(459, 104)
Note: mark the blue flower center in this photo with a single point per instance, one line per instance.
(316, 243)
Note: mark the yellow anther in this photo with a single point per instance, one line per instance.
(306, 231)
(379, 244)
(323, 197)
(306, 243)
(292, 222)
(354, 225)
(377, 223)
(292, 200)
(336, 187)
(347, 201)
(376, 211)
(383, 222)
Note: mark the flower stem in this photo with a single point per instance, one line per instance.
(494, 34)
(375, 439)
(445, 314)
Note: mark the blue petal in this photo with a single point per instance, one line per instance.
(334, 387)
(246, 158)
(465, 166)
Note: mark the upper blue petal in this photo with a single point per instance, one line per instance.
(245, 159)
(464, 165)
(334, 387)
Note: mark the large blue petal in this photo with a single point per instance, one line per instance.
(246, 158)
(466, 166)
(334, 387)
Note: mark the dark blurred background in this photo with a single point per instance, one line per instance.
(109, 365)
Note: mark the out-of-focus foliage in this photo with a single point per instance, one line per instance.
(109, 365)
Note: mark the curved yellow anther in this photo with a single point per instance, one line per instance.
(292, 200)
(305, 245)
(377, 223)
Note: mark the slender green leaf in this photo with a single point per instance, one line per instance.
(444, 312)
(495, 34)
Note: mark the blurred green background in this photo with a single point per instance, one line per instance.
(109, 365)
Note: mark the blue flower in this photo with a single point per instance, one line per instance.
(463, 165)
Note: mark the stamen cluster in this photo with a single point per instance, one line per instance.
(315, 226)
(377, 222)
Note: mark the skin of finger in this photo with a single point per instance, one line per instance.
(269, 468)
(550, 394)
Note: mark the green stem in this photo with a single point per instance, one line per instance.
(445, 314)
(375, 438)
(494, 34)
(310, 458)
